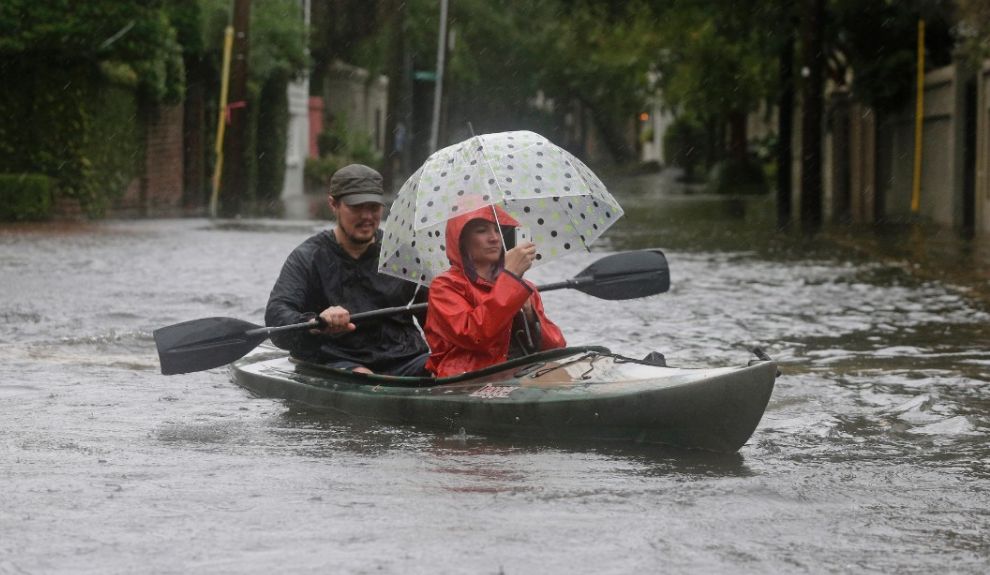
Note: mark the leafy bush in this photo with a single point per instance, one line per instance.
(25, 197)
(728, 177)
(319, 171)
(684, 145)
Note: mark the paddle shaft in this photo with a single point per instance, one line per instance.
(390, 311)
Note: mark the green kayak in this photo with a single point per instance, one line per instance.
(582, 393)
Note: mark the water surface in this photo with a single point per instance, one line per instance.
(872, 456)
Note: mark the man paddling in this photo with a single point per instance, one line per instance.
(334, 274)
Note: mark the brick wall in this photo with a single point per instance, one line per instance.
(162, 183)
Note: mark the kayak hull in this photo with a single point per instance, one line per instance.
(572, 394)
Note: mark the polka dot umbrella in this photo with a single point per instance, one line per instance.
(560, 203)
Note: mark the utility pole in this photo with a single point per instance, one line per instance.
(438, 85)
(395, 142)
(237, 115)
(813, 105)
(785, 119)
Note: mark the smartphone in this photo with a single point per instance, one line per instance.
(523, 235)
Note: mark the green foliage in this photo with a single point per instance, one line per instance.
(25, 197)
(732, 177)
(45, 127)
(113, 144)
(273, 128)
(278, 40)
(717, 57)
(684, 145)
(130, 33)
(74, 126)
(879, 39)
(973, 31)
(318, 171)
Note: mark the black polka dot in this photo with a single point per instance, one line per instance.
(508, 180)
(422, 220)
(537, 190)
(443, 174)
(404, 271)
(429, 204)
(443, 248)
(454, 209)
(608, 214)
(567, 174)
(540, 221)
(467, 177)
(596, 204)
(539, 178)
(460, 192)
(567, 246)
(509, 166)
(556, 198)
(422, 277)
(484, 197)
(567, 188)
(417, 261)
(553, 233)
(539, 256)
(491, 181)
(527, 209)
(582, 215)
(436, 188)
(539, 165)
(473, 162)
(595, 226)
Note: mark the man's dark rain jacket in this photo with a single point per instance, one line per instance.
(319, 274)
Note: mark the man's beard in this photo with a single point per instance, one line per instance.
(351, 237)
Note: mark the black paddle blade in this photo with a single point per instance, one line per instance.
(204, 344)
(626, 275)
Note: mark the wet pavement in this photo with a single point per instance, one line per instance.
(872, 456)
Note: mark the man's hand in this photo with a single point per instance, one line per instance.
(520, 258)
(336, 320)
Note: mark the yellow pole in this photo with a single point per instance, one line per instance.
(228, 45)
(919, 120)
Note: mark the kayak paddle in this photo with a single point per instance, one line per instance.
(206, 343)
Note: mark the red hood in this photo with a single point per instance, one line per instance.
(456, 225)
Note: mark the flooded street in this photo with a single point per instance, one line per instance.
(873, 455)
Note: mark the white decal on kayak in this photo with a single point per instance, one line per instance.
(493, 391)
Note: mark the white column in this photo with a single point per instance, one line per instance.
(294, 202)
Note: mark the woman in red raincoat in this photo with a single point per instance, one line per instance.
(481, 306)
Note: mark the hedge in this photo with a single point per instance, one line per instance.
(25, 197)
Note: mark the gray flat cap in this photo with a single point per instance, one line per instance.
(357, 184)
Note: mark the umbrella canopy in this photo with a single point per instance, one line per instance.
(560, 203)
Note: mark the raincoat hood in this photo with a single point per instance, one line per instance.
(456, 225)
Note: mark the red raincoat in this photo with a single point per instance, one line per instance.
(469, 323)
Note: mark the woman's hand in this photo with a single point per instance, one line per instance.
(335, 320)
(520, 258)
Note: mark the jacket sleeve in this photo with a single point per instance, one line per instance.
(475, 327)
(287, 302)
(552, 337)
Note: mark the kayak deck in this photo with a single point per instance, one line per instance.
(573, 393)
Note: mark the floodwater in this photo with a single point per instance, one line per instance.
(873, 455)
